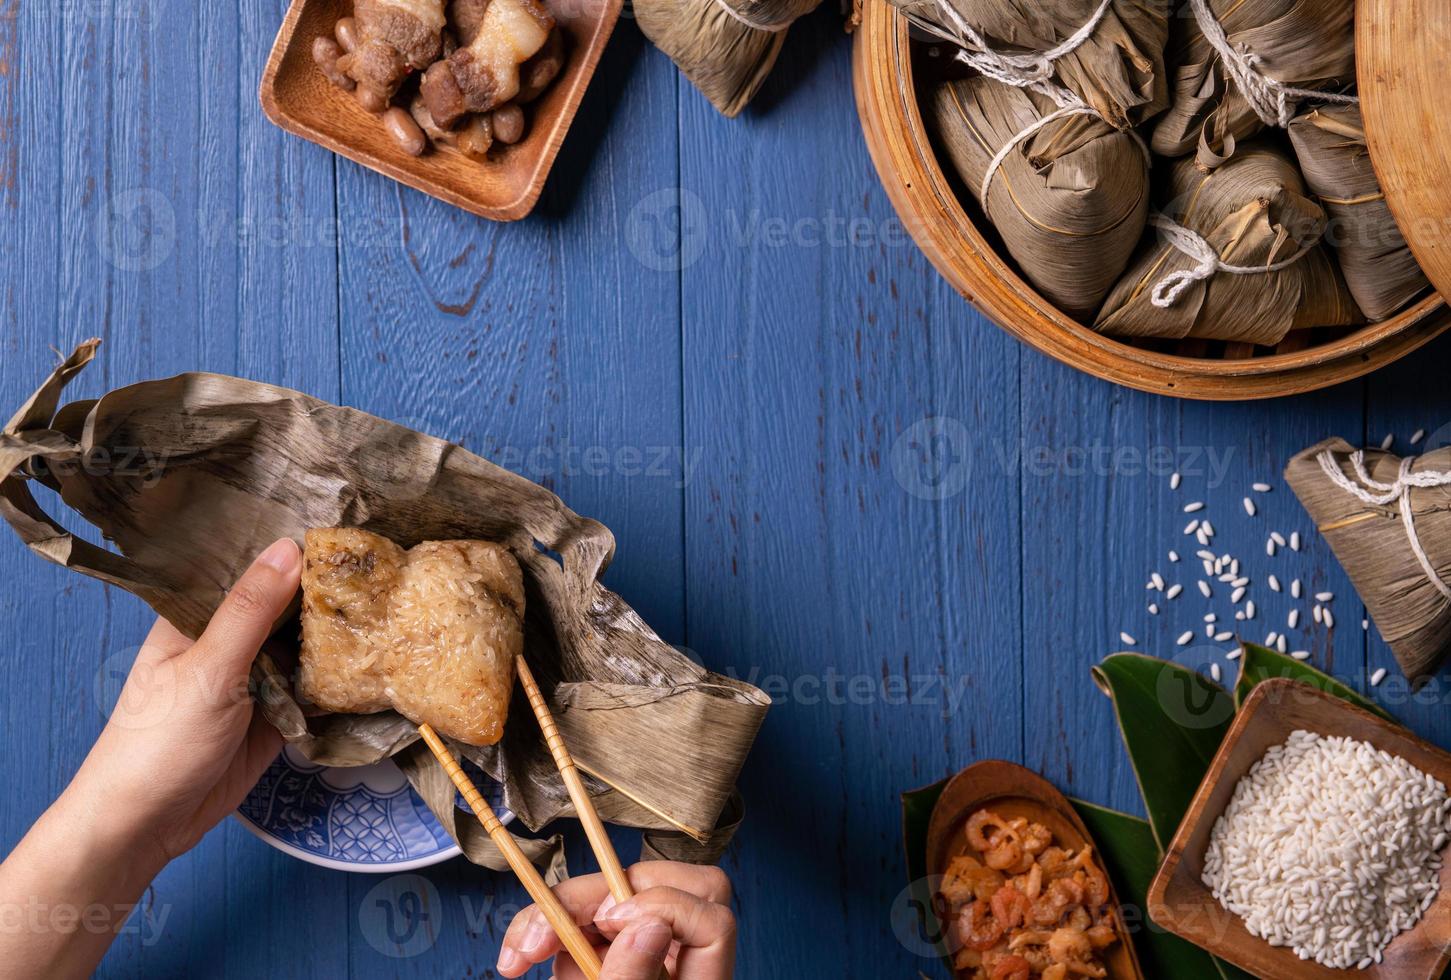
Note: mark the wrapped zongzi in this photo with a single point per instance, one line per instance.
(1389, 521)
(1069, 202)
(1253, 214)
(1379, 268)
(725, 47)
(1117, 68)
(1272, 46)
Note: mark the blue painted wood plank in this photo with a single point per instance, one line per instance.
(841, 550)
(1099, 518)
(136, 218)
(544, 346)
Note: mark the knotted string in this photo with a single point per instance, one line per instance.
(1168, 290)
(1018, 70)
(1031, 70)
(1271, 100)
(1378, 494)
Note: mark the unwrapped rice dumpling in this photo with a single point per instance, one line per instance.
(1253, 212)
(431, 632)
(1379, 268)
(1119, 68)
(1307, 44)
(1069, 202)
(1374, 515)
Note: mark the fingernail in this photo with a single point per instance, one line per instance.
(618, 913)
(282, 556)
(652, 939)
(508, 959)
(534, 937)
(603, 912)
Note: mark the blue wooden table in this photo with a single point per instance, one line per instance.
(826, 472)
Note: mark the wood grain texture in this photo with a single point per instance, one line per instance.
(844, 510)
(1401, 69)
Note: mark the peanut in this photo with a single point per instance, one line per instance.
(405, 130)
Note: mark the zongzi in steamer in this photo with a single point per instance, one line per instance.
(1253, 213)
(431, 632)
(1069, 202)
(1118, 69)
(725, 47)
(1303, 44)
(1379, 268)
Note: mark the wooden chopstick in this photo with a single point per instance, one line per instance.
(558, 917)
(584, 808)
(594, 827)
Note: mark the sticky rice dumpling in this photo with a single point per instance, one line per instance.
(1253, 212)
(1119, 70)
(431, 632)
(1307, 44)
(726, 48)
(1379, 268)
(1070, 202)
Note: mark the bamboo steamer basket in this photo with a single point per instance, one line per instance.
(1402, 66)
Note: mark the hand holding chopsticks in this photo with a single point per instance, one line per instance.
(558, 916)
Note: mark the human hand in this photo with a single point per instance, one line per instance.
(680, 917)
(183, 746)
(179, 753)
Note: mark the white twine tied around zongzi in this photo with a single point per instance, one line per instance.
(1018, 70)
(1030, 70)
(1377, 494)
(1273, 101)
(1207, 261)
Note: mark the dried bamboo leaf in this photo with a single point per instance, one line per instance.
(1119, 70)
(1307, 44)
(1254, 212)
(1379, 268)
(1070, 202)
(241, 464)
(1375, 551)
(716, 45)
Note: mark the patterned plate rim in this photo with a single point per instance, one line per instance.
(413, 864)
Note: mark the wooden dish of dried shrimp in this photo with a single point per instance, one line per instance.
(1019, 888)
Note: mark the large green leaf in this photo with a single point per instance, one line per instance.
(1131, 856)
(1173, 721)
(1260, 664)
(917, 918)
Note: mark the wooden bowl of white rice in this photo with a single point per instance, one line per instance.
(1314, 847)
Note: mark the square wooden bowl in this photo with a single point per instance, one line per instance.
(297, 97)
(1179, 900)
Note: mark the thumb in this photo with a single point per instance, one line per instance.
(246, 616)
(639, 952)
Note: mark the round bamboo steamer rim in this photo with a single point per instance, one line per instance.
(929, 208)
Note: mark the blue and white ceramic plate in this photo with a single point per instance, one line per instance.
(364, 819)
